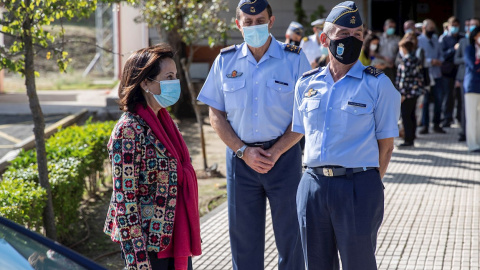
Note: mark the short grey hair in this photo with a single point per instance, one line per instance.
(328, 28)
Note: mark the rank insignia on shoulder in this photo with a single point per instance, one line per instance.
(228, 49)
(234, 74)
(305, 39)
(312, 92)
(310, 72)
(292, 48)
(373, 71)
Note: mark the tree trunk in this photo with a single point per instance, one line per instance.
(38, 127)
(185, 67)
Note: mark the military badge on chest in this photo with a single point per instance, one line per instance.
(312, 92)
(234, 74)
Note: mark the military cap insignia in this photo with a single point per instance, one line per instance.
(352, 20)
(310, 72)
(292, 48)
(228, 49)
(234, 74)
(311, 92)
(252, 9)
(373, 71)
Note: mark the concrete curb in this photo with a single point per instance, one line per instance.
(29, 143)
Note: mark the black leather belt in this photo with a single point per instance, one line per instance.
(332, 171)
(263, 145)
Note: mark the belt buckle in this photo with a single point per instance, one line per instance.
(261, 145)
(327, 172)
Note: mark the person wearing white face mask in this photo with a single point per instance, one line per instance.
(471, 86)
(153, 211)
(250, 94)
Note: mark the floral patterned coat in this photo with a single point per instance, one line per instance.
(142, 208)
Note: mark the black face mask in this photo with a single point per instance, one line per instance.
(346, 50)
(430, 34)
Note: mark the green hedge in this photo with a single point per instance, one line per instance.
(75, 156)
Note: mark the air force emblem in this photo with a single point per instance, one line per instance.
(340, 49)
(234, 74)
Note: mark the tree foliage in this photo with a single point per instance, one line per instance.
(42, 13)
(193, 20)
(26, 22)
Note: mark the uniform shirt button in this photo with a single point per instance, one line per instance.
(256, 98)
(279, 88)
(328, 128)
(330, 108)
(256, 130)
(256, 114)
(257, 66)
(256, 82)
(355, 111)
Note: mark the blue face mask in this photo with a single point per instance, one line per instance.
(472, 27)
(408, 31)
(454, 30)
(170, 93)
(390, 31)
(256, 35)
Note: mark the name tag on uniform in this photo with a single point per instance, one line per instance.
(357, 104)
(282, 83)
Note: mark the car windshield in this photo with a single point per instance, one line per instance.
(20, 252)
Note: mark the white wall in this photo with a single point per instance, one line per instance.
(133, 36)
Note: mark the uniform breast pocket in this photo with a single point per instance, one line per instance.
(280, 93)
(310, 109)
(357, 114)
(235, 94)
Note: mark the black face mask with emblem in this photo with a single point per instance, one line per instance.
(346, 50)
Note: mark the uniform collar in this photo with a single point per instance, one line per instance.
(274, 50)
(355, 71)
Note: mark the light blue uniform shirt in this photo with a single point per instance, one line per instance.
(257, 97)
(343, 120)
(432, 51)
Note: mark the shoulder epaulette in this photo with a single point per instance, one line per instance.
(311, 72)
(228, 49)
(292, 48)
(373, 71)
(305, 39)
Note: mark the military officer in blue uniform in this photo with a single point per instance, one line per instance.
(250, 90)
(348, 113)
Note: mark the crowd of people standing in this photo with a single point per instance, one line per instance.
(440, 70)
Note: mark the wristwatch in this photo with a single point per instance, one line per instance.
(240, 151)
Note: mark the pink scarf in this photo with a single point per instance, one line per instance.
(186, 240)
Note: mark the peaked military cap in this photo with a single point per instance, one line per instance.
(345, 14)
(252, 7)
(318, 22)
(296, 28)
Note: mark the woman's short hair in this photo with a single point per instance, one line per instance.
(143, 64)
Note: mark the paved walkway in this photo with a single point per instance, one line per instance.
(432, 201)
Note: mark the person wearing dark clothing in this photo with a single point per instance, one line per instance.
(449, 44)
(409, 82)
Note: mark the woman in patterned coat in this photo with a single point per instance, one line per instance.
(153, 212)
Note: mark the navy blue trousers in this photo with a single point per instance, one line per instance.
(247, 193)
(340, 215)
